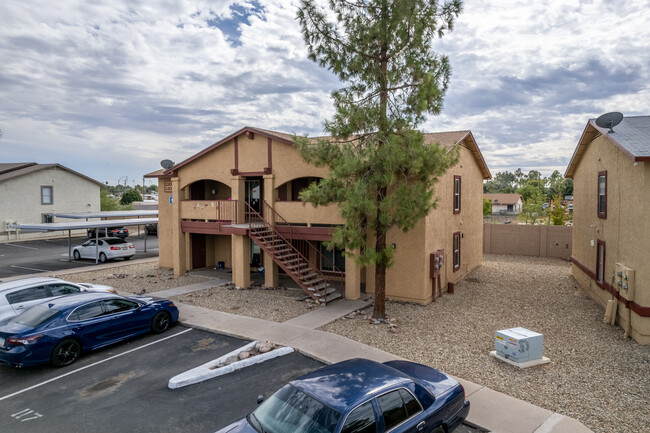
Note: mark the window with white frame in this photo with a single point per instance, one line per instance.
(457, 196)
(47, 195)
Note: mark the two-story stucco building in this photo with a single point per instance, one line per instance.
(235, 204)
(611, 219)
(31, 192)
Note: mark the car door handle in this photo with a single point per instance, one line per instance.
(420, 426)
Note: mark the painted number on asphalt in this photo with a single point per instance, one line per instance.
(26, 415)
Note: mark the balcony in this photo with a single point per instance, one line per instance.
(296, 212)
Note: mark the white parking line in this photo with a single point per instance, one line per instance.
(21, 246)
(30, 269)
(92, 365)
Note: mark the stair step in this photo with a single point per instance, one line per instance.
(333, 297)
(312, 281)
(297, 259)
(318, 288)
(299, 265)
(321, 293)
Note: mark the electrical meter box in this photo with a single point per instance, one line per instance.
(519, 344)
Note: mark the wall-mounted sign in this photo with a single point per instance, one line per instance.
(171, 199)
(168, 186)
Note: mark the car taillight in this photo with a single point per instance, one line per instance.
(131, 246)
(116, 248)
(25, 340)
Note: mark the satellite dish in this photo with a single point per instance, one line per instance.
(167, 164)
(609, 120)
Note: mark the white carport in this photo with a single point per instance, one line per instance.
(85, 225)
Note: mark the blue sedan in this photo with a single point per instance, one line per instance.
(362, 396)
(59, 330)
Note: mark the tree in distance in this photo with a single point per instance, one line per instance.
(381, 172)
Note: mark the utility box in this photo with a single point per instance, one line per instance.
(519, 344)
(625, 281)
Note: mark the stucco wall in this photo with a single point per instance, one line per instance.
(21, 197)
(626, 230)
(527, 240)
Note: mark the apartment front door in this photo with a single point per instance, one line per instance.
(253, 193)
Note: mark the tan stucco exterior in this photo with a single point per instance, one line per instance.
(272, 159)
(625, 230)
(21, 197)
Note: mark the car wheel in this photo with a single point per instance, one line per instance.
(128, 258)
(102, 258)
(76, 255)
(65, 352)
(161, 322)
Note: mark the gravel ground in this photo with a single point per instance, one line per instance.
(136, 277)
(595, 375)
(276, 305)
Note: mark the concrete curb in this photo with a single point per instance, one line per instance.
(207, 370)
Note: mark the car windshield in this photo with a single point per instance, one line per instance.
(114, 241)
(35, 316)
(292, 411)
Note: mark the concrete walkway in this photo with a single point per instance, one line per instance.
(490, 409)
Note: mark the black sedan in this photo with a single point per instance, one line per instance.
(59, 330)
(362, 396)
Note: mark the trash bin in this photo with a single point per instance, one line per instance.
(221, 265)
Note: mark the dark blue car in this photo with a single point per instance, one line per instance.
(361, 396)
(59, 330)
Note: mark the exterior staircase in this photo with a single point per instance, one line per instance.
(312, 280)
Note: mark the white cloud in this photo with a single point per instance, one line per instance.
(163, 79)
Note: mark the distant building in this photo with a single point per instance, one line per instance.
(611, 219)
(30, 192)
(505, 204)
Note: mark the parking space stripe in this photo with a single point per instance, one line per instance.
(92, 365)
(29, 269)
(21, 246)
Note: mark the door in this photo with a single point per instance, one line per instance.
(253, 193)
(198, 251)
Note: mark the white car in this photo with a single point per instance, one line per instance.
(18, 295)
(109, 248)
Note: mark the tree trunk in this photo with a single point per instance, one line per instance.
(380, 267)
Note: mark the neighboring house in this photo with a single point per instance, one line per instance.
(30, 192)
(235, 204)
(505, 204)
(611, 219)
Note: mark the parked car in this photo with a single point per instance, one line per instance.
(58, 331)
(109, 249)
(19, 295)
(362, 396)
(117, 232)
(151, 229)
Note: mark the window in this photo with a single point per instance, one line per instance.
(456, 251)
(600, 262)
(119, 305)
(331, 257)
(602, 194)
(88, 311)
(63, 289)
(456, 194)
(47, 218)
(397, 406)
(47, 195)
(361, 420)
(26, 295)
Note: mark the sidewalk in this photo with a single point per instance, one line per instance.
(490, 409)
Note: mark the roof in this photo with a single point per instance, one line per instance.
(445, 139)
(45, 227)
(340, 386)
(503, 198)
(632, 136)
(13, 170)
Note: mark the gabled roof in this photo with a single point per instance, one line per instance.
(446, 139)
(503, 198)
(13, 170)
(632, 136)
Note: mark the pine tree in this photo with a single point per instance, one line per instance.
(382, 173)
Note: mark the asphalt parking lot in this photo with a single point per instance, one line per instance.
(46, 255)
(124, 388)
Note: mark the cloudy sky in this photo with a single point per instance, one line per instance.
(113, 87)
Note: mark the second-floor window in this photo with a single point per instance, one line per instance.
(457, 194)
(47, 195)
(602, 194)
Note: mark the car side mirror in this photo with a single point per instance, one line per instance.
(260, 399)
